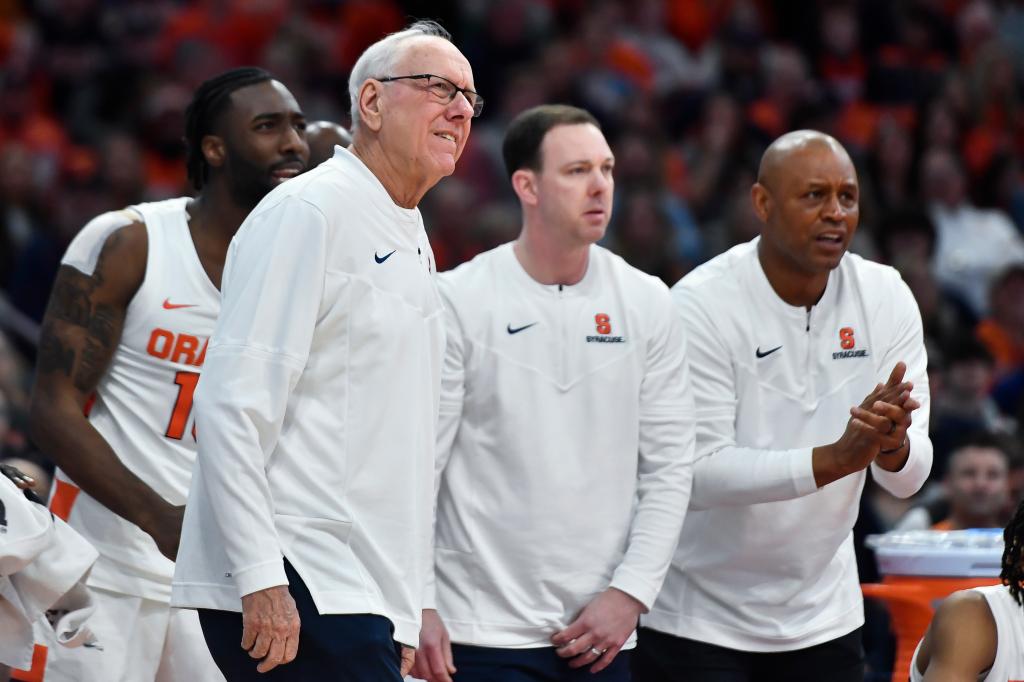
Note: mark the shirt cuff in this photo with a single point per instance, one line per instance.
(912, 476)
(260, 577)
(801, 469)
(636, 587)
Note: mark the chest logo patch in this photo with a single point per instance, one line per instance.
(765, 353)
(381, 259)
(603, 327)
(516, 330)
(848, 344)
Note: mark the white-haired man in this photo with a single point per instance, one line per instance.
(317, 411)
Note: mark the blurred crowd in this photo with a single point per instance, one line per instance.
(927, 95)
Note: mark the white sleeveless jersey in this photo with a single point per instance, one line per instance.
(143, 404)
(1008, 665)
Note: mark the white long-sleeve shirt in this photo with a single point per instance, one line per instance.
(317, 408)
(565, 444)
(766, 561)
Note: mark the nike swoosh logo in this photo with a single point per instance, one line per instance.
(174, 306)
(381, 259)
(759, 354)
(519, 329)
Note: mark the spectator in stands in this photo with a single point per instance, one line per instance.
(972, 244)
(906, 241)
(713, 157)
(1001, 186)
(890, 161)
(976, 486)
(122, 170)
(1002, 332)
(981, 488)
(20, 216)
(963, 405)
(788, 90)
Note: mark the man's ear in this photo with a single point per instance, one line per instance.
(214, 150)
(370, 104)
(762, 200)
(524, 183)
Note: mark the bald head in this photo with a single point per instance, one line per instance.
(775, 161)
(322, 137)
(806, 197)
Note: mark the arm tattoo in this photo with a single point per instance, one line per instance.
(92, 363)
(80, 336)
(103, 324)
(53, 355)
(69, 301)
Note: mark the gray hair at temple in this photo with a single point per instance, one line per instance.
(378, 59)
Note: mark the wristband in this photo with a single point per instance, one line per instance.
(895, 449)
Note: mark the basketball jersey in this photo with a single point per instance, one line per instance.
(143, 404)
(1008, 665)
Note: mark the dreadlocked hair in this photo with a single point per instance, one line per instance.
(208, 103)
(1012, 574)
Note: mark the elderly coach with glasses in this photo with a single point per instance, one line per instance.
(307, 530)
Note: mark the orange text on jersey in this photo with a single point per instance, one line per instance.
(181, 348)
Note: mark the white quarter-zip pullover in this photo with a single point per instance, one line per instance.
(565, 445)
(317, 408)
(766, 561)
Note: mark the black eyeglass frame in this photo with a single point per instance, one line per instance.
(477, 101)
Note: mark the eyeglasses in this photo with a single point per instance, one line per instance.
(443, 89)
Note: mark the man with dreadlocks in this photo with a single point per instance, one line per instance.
(123, 342)
(978, 634)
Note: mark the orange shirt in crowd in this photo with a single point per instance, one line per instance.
(1006, 350)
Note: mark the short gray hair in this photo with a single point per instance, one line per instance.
(378, 59)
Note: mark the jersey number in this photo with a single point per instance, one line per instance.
(186, 382)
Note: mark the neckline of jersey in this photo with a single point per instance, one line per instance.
(581, 288)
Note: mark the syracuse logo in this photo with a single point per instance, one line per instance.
(848, 343)
(603, 327)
